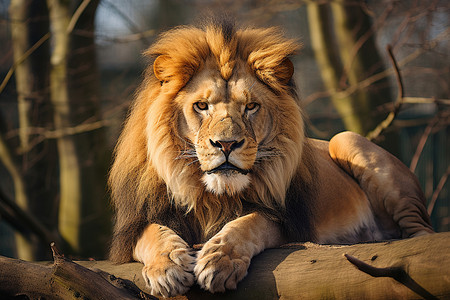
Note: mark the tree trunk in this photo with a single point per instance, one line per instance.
(405, 269)
(35, 179)
(69, 166)
(83, 78)
(83, 212)
(344, 46)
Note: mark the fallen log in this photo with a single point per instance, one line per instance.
(405, 269)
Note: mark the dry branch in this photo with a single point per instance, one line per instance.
(397, 273)
(422, 142)
(438, 189)
(21, 60)
(62, 280)
(398, 102)
(405, 269)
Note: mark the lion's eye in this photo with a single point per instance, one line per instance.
(251, 107)
(200, 106)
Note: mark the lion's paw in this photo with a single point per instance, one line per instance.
(219, 268)
(172, 275)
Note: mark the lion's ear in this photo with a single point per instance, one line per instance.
(276, 76)
(171, 70)
(160, 68)
(285, 71)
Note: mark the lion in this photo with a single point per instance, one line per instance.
(214, 152)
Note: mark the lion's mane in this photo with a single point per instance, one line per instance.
(152, 181)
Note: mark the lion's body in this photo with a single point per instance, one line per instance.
(214, 152)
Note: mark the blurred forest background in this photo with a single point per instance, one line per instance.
(68, 70)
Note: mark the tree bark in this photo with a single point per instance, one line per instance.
(405, 269)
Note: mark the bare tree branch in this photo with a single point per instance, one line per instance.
(398, 102)
(46, 134)
(422, 142)
(438, 189)
(22, 59)
(424, 100)
(76, 15)
(129, 37)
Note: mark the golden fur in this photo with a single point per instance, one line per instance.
(214, 152)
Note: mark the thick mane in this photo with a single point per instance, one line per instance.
(185, 49)
(151, 176)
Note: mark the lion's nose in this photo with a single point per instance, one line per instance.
(227, 146)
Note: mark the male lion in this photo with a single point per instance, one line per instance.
(214, 152)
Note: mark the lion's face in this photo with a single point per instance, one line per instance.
(221, 115)
(226, 121)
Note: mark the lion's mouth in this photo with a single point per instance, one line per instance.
(227, 167)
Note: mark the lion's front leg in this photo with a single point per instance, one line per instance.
(168, 261)
(225, 258)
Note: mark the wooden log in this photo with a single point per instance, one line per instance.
(414, 268)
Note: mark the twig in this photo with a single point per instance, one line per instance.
(128, 38)
(47, 134)
(22, 59)
(67, 131)
(397, 273)
(76, 16)
(438, 189)
(55, 251)
(422, 142)
(398, 102)
(394, 272)
(424, 100)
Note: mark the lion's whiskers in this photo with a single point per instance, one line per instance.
(192, 162)
(267, 153)
(187, 154)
